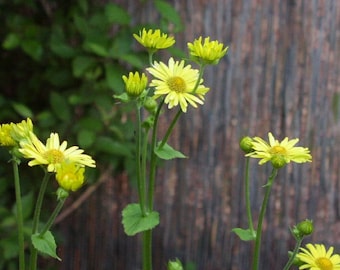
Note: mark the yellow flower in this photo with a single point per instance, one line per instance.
(208, 52)
(6, 138)
(154, 39)
(21, 131)
(11, 134)
(70, 176)
(53, 153)
(279, 152)
(178, 83)
(135, 83)
(316, 257)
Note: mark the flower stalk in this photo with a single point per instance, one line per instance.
(21, 244)
(268, 186)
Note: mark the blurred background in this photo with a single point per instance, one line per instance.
(61, 63)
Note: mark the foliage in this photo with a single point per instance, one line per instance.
(61, 63)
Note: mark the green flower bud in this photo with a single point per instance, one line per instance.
(246, 144)
(278, 161)
(62, 194)
(175, 265)
(135, 83)
(303, 228)
(150, 104)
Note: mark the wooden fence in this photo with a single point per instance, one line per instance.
(282, 74)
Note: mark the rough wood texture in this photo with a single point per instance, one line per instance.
(282, 75)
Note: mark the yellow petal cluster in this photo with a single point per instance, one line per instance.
(207, 52)
(154, 39)
(53, 153)
(279, 153)
(135, 83)
(70, 176)
(316, 257)
(179, 83)
(12, 134)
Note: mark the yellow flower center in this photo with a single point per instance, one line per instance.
(277, 149)
(54, 156)
(176, 84)
(324, 263)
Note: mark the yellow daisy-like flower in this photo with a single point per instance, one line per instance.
(21, 131)
(279, 153)
(70, 176)
(177, 82)
(6, 138)
(316, 257)
(11, 134)
(154, 39)
(135, 83)
(53, 153)
(208, 52)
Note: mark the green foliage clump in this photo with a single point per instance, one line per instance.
(61, 63)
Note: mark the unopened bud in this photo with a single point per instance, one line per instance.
(246, 144)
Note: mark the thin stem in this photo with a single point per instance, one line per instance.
(295, 251)
(170, 128)
(53, 216)
(140, 178)
(20, 221)
(153, 159)
(261, 217)
(248, 205)
(147, 248)
(36, 217)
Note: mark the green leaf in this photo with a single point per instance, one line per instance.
(167, 152)
(33, 48)
(97, 48)
(110, 146)
(134, 222)
(113, 77)
(86, 138)
(81, 64)
(45, 244)
(11, 41)
(245, 234)
(60, 106)
(27, 205)
(169, 13)
(124, 97)
(116, 14)
(22, 109)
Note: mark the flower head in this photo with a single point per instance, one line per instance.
(279, 153)
(154, 39)
(135, 83)
(70, 176)
(6, 138)
(178, 83)
(11, 134)
(208, 52)
(316, 257)
(53, 153)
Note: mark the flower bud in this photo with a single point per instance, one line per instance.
(303, 228)
(135, 83)
(175, 265)
(150, 104)
(278, 161)
(246, 144)
(62, 193)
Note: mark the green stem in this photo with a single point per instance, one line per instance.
(36, 218)
(53, 216)
(248, 204)
(140, 177)
(153, 159)
(170, 128)
(147, 250)
(261, 217)
(295, 251)
(20, 221)
(200, 76)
